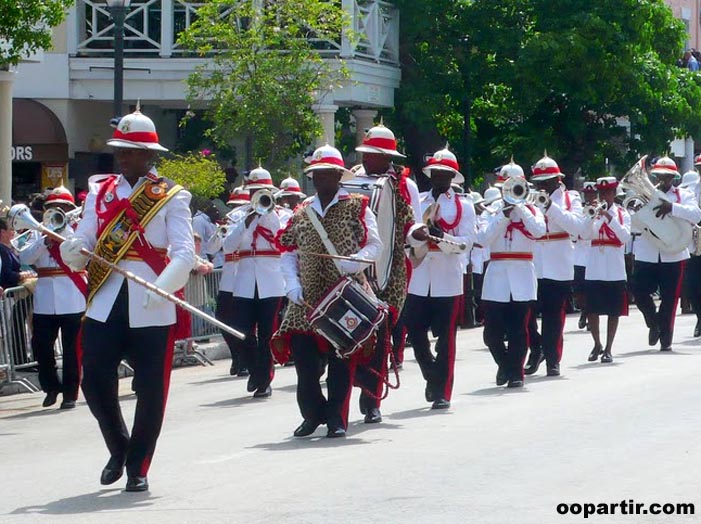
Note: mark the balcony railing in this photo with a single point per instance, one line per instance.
(152, 27)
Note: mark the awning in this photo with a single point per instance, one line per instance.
(37, 133)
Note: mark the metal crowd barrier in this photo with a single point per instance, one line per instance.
(16, 307)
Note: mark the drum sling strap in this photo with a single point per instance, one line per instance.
(319, 227)
(121, 232)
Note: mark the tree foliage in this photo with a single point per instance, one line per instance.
(198, 172)
(265, 71)
(25, 27)
(561, 75)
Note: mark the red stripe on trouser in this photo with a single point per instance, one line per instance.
(276, 325)
(677, 294)
(346, 401)
(452, 333)
(561, 336)
(167, 368)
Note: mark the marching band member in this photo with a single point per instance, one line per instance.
(437, 283)
(581, 250)
(605, 276)
(240, 196)
(133, 220)
(554, 263)
(351, 228)
(204, 223)
(379, 147)
(290, 194)
(259, 285)
(510, 285)
(59, 303)
(692, 271)
(654, 268)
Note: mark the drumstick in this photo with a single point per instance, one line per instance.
(339, 257)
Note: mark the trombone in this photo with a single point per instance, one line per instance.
(20, 217)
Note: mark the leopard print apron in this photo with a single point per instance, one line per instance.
(344, 225)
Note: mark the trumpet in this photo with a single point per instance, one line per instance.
(593, 210)
(56, 219)
(540, 199)
(514, 192)
(262, 203)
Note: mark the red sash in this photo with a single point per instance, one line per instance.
(76, 277)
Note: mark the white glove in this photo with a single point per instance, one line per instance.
(350, 267)
(172, 278)
(295, 296)
(71, 255)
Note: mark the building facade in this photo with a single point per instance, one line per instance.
(68, 95)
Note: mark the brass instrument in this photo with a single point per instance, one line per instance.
(262, 203)
(593, 210)
(514, 192)
(540, 199)
(21, 218)
(56, 219)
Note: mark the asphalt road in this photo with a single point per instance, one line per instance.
(598, 434)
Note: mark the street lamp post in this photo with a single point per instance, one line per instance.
(118, 10)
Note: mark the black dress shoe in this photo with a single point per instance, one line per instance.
(666, 348)
(554, 370)
(440, 403)
(428, 393)
(373, 416)
(582, 321)
(67, 404)
(653, 336)
(136, 484)
(606, 358)
(336, 433)
(535, 359)
(515, 383)
(233, 371)
(112, 472)
(594, 355)
(265, 392)
(251, 385)
(243, 372)
(697, 329)
(50, 399)
(502, 378)
(306, 428)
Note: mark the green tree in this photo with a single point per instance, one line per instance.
(25, 27)
(525, 75)
(198, 172)
(265, 71)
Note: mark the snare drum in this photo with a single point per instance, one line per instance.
(347, 316)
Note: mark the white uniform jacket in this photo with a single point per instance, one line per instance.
(606, 258)
(206, 229)
(441, 272)
(581, 251)
(511, 272)
(258, 259)
(170, 228)
(479, 256)
(370, 251)
(554, 255)
(685, 207)
(53, 295)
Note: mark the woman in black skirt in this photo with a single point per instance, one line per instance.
(605, 276)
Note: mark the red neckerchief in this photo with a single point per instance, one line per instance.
(605, 231)
(264, 232)
(446, 226)
(519, 226)
(679, 197)
(113, 208)
(76, 278)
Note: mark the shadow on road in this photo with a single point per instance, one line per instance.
(318, 440)
(651, 351)
(103, 500)
(595, 365)
(418, 412)
(498, 391)
(233, 402)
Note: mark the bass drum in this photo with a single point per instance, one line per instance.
(382, 203)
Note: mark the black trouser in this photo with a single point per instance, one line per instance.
(44, 333)
(692, 284)
(225, 313)
(371, 376)
(510, 320)
(440, 315)
(552, 300)
(263, 314)
(399, 339)
(150, 352)
(477, 282)
(309, 366)
(668, 277)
